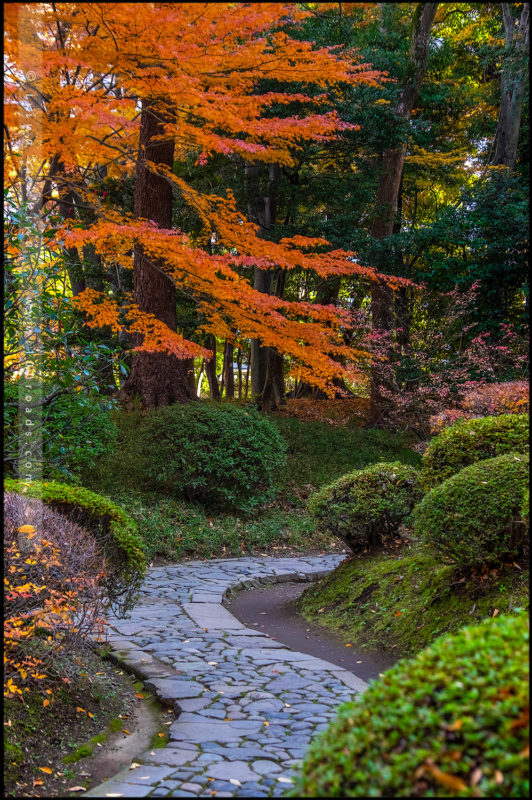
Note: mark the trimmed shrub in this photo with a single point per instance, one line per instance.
(213, 453)
(367, 505)
(451, 721)
(113, 529)
(53, 593)
(475, 517)
(472, 440)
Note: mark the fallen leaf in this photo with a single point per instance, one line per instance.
(449, 781)
(265, 723)
(46, 703)
(398, 614)
(79, 708)
(495, 612)
(46, 769)
(90, 715)
(499, 777)
(129, 732)
(476, 775)
(235, 781)
(228, 719)
(349, 645)
(160, 734)
(134, 765)
(140, 696)
(38, 783)
(76, 789)
(455, 726)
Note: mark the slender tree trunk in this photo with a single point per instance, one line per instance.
(200, 379)
(390, 181)
(210, 368)
(229, 376)
(262, 210)
(239, 367)
(246, 388)
(159, 379)
(513, 84)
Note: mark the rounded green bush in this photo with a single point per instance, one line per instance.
(367, 505)
(475, 517)
(451, 721)
(114, 530)
(213, 453)
(472, 440)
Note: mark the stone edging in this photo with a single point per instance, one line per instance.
(248, 706)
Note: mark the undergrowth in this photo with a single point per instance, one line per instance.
(172, 529)
(401, 602)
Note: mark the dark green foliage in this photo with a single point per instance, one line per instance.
(474, 517)
(76, 428)
(113, 529)
(428, 725)
(472, 440)
(213, 453)
(366, 506)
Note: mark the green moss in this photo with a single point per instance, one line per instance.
(429, 723)
(472, 440)
(399, 603)
(113, 528)
(116, 724)
(474, 517)
(160, 739)
(366, 506)
(83, 751)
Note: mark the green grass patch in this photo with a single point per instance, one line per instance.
(399, 603)
(173, 529)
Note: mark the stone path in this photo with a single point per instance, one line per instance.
(248, 706)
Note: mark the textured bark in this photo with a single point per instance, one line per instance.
(266, 372)
(228, 374)
(210, 369)
(390, 181)
(513, 83)
(159, 379)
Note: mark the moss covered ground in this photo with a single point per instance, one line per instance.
(399, 601)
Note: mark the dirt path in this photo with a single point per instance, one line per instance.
(271, 610)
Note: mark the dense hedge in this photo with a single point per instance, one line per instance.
(472, 440)
(451, 721)
(213, 453)
(367, 505)
(113, 529)
(475, 517)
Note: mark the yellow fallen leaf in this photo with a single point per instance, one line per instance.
(79, 708)
(124, 731)
(46, 769)
(134, 765)
(349, 645)
(26, 529)
(265, 723)
(499, 777)
(46, 703)
(455, 726)
(90, 715)
(38, 783)
(160, 734)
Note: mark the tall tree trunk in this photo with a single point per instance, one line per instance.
(159, 379)
(239, 367)
(229, 376)
(262, 211)
(513, 84)
(390, 181)
(210, 368)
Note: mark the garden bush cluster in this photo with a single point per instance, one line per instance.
(213, 453)
(367, 506)
(451, 721)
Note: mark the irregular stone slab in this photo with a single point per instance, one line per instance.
(114, 788)
(203, 732)
(355, 683)
(237, 770)
(212, 616)
(171, 689)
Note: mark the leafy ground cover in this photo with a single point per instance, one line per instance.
(317, 453)
(400, 600)
(46, 750)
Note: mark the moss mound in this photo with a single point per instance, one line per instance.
(367, 506)
(475, 517)
(399, 602)
(472, 440)
(111, 526)
(452, 721)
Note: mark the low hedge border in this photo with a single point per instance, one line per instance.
(114, 529)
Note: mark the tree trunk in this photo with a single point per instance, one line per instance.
(239, 367)
(390, 181)
(229, 376)
(262, 211)
(210, 368)
(159, 379)
(513, 84)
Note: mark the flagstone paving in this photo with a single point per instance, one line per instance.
(248, 706)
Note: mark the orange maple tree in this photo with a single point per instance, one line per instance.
(78, 78)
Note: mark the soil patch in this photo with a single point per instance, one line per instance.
(272, 610)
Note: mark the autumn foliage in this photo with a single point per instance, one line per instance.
(73, 108)
(53, 601)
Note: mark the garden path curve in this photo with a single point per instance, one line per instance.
(248, 706)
